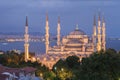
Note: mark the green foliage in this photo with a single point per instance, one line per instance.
(101, 66)
(64, 74)
(10, 59)
(73, 61)
(60, 64)
(14, 60)
(110, 50)
(49, 75)
(67, 69)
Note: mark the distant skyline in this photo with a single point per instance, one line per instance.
(71, 12)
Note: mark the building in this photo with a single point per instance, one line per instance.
(27, 73)
(76, 43)
(26, 44)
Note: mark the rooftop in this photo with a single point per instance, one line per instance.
(77, 31)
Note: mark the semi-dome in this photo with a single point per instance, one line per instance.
(77, 31)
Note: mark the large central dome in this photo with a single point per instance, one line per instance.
(77, 31)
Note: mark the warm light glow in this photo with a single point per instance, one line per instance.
(41, 75)
(33, 59)
(55, 68)
(45, 59)
(62, 69)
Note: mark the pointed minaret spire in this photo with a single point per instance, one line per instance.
(58, 32)
(103, 19)
(99, 20)
(99, 33)
(99, 16)
(58, 19)
(26, 39)
(46, 16)
(103, 34)
(47, 34)
(94, 36)
(94, 26)
(94, 20)
(26, 21)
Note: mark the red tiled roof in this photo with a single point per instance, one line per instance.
(14, 70)
(29, 69)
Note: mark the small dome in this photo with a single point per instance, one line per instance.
(77, 31)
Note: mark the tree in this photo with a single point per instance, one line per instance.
(60, 64)
(72, 61)
(101, 66)
(49, 75)
(67, 69)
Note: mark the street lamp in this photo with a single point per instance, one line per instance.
(55, 70)
(62, 69)
(41, 76)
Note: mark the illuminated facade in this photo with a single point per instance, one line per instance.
(47, 34)
(76, 43)
(26, 44)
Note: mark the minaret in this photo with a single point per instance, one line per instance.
(26, 44)
(47, 34)
(99, 34)
(94, 36)
(58, 32)
(103, 34)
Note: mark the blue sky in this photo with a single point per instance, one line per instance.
(71, 12)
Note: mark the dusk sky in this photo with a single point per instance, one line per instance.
(71, 12)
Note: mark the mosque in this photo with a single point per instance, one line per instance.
(76, 43)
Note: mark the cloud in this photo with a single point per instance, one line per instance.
(95, 2)
(48, 3)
